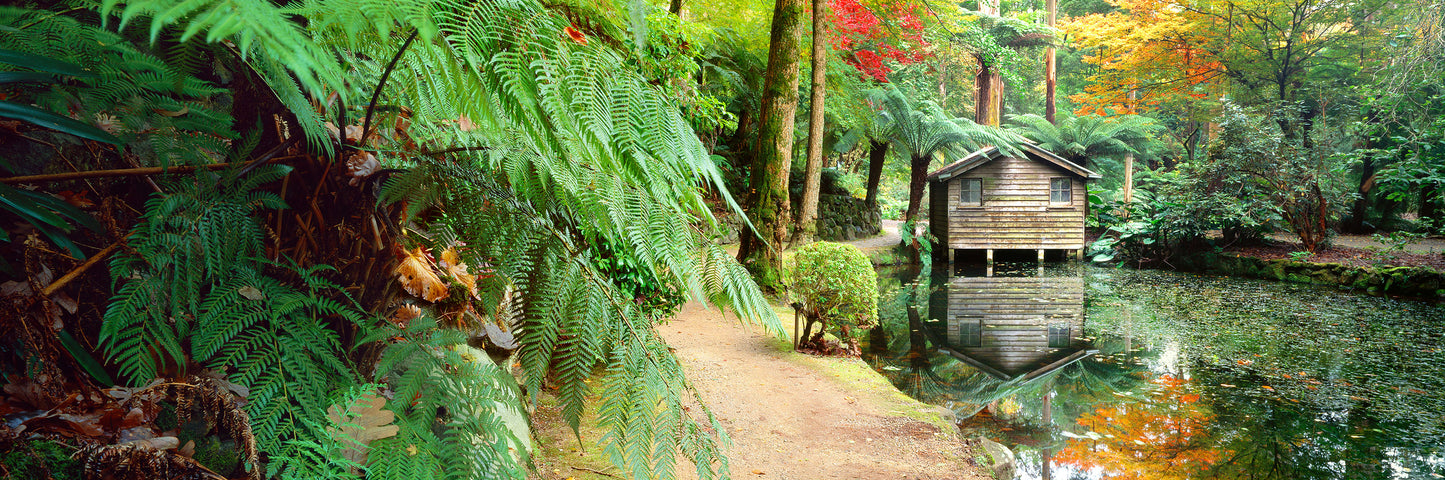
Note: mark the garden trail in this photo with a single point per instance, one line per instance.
(888, 237)
(796, 416)
(1421, 245)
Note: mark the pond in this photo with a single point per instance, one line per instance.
(1088, 373)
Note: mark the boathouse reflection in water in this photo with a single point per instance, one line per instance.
(1016, 325)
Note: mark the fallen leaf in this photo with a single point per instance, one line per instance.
(360, 165)
(353, 134)
(452, 263)
(78, 199)
(361, 423)
(219, 377)
(69, 304)
(404, 314)
(251, 293)
(577, 36)
(417, 277)
(158, 443)
(465, 124)
(14, 288)
(173, 113)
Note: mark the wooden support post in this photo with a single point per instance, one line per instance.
(1041, 255)
(1079, 254)
(989, 257)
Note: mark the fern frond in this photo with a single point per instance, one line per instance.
(440, 382)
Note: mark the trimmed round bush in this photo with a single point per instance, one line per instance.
(836, 287)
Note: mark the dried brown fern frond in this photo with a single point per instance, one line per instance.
(214, 401)
(131, 462)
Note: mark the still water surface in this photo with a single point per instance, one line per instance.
(1089, 373)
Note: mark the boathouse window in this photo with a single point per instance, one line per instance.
(970, 333)
(1061, 190)
(1059, 334)
(971, 192)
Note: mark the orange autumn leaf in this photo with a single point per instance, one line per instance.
(452, 264)
(417, 277)
(575, 35)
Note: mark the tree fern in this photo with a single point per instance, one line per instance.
(576, 322)
(1082, 139)
(554, 145)
(164, 116)
(456, 409)
(195, 293)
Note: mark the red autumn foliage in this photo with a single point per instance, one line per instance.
(870, 43)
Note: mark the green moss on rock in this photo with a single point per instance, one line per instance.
(1395, 280)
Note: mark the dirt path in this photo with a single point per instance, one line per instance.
(886, 238)
(789, 415)
(794, 416)
(1420, 245)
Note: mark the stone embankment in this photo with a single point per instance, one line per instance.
(1382, 280)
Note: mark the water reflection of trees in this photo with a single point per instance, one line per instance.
(1274, 382)
(1306, 383)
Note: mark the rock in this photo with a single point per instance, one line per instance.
(1002, 457)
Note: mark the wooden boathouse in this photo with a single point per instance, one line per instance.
(990, 201)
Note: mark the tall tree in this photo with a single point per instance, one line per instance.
(812, 173)
(768, 208)
(988, 84)
(1051, 74)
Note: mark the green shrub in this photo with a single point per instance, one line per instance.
(836, 286)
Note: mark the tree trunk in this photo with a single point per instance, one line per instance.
(1047, 455)
(807, 228)
(1361, 207)
(1429, 209)
(1128, 163)
(1128, 180)
(1051, 66)
(877, 151)
(768, 194)
(917, 181)
(675, 7)
(988, 96)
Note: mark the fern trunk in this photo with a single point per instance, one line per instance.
(877, 152)
(768, 206)
(808, 216)
(917, 180)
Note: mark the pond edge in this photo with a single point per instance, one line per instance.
(1417, 282)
